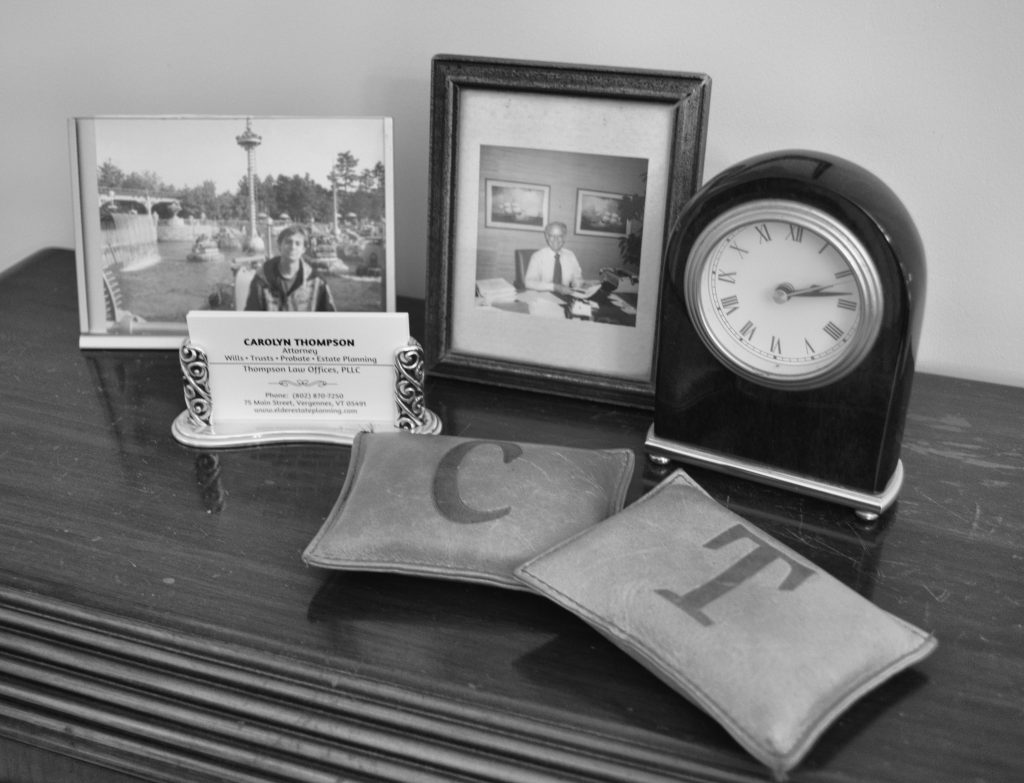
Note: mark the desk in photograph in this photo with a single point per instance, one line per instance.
(616, 309)
(157, 622)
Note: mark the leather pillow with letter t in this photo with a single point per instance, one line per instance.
(770, 645)
(459, 508)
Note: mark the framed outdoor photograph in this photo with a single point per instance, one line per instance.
(570, 308)
(182, 213)
(601, 214)
(516, 205)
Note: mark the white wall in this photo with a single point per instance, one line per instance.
(928, 94)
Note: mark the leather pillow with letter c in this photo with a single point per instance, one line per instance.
(461, 508)
(766, 642)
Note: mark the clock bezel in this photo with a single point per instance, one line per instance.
(851, 250)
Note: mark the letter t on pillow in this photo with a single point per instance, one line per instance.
(774, 648)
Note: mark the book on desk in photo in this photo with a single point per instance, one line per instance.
(542, 303)
(495, 289)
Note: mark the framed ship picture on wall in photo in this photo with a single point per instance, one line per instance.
(516, 205)
(553, 189)
(602, 214)
(182, 213)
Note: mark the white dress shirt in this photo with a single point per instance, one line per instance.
(540, 272)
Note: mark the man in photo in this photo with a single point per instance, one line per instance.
(287, 282)
(554, 268)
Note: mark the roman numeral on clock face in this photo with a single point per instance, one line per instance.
(730, 304)
(833, 331)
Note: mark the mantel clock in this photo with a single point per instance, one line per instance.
(790, 314)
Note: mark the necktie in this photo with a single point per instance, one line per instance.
(557, 278)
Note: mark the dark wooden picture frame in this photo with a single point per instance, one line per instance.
(534, 116)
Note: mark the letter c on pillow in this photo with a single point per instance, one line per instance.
(446, 483)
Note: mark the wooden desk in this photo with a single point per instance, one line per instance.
(157, 622)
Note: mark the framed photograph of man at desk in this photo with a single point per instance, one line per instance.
(571, 307)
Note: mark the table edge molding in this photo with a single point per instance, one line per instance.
(146, 700)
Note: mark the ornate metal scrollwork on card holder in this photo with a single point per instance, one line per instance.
(410, 372)
(195, 370)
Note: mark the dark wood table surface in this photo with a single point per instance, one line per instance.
(157, 622)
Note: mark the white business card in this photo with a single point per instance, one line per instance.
(300, 369)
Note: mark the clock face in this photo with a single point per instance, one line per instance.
(783, 294)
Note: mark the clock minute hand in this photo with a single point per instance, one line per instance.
(820, 292)
(785, 291)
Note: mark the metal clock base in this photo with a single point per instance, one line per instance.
(867, 505)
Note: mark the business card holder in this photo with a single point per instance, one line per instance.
(196, 426)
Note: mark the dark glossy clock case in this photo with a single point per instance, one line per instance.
(847, 433)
